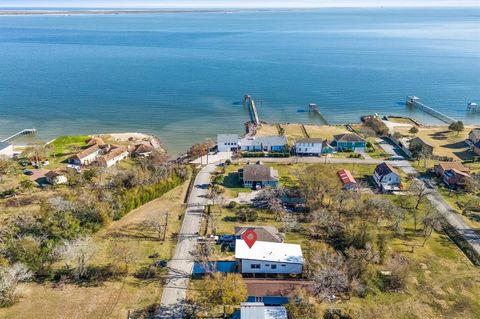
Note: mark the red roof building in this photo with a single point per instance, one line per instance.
(347, 179)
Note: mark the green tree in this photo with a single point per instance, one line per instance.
(456, 127)
(414, 130)
(226, 291)
(246, 214)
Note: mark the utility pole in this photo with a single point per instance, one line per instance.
(166, 225)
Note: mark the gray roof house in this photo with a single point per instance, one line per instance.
(258, 175)
(264, 233)
(274, 143)
(474, 135)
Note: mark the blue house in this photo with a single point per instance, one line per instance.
(349, 142)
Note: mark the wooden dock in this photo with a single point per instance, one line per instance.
(313, 108)
(27, 131)
(414, 101)
(253, 109)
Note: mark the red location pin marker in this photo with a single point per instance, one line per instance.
(250, 237)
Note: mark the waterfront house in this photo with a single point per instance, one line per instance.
(349, 142)
(6, 149)
(96, 140)
(227, 142)
(268, 258)
(258, 310)
(349, 183)
(264, 233)
(386, 178)
(86, 156)
(455, 178)
(258, 175)
(56, 177)
(419, 146)
(474, 135)
(114, 156)
(308, 146)
(476, 148)
(142, 150)
(275, 143)
(442, 167)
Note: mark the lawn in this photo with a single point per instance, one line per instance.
(445, 142)
(267, 130)
(325, 131)
(293, 131)
(112, 298)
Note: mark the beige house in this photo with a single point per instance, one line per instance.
(114, 156)
(87, 156)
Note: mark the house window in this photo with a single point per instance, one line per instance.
(283, 265)
(274, 267)
(255, 266)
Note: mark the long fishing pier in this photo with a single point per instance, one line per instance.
(253, 109)
(414, 101)
(27, 131)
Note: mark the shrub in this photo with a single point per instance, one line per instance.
(232, 205)
(253, 154)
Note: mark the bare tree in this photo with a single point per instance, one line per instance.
(10, 278)
(159, 225)
(77, 253)
(431, 222)
(328, 272)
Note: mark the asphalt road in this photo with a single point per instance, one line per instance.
(180, 267)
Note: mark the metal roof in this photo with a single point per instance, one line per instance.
(275, 140)
(257, 310)
(268, 251)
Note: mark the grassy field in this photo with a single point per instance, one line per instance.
(445, 142)
(111, 299)
(293, 131)
(267, 130)
(325, 131)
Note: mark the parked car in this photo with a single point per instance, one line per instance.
(27, 172)
(396, 158)
(226, 238)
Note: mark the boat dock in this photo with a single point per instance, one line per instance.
(253, 109)
(313, 108)
(414, 101)
(473, 107)
(27, 131)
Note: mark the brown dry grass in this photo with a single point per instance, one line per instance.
(445, 142)
(325, 131)
(111, 299)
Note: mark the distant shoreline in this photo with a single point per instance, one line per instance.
(16, 12)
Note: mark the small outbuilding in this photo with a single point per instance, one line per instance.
(56, 177)
(349, 183)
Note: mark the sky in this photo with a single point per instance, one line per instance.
(236, 3)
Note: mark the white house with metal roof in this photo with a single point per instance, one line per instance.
(227, 142)
(268, 258)
(274, 143)
(257, 310)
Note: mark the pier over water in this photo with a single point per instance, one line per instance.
(414, 101)
(27, 131)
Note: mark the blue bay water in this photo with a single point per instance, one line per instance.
(180, 75)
